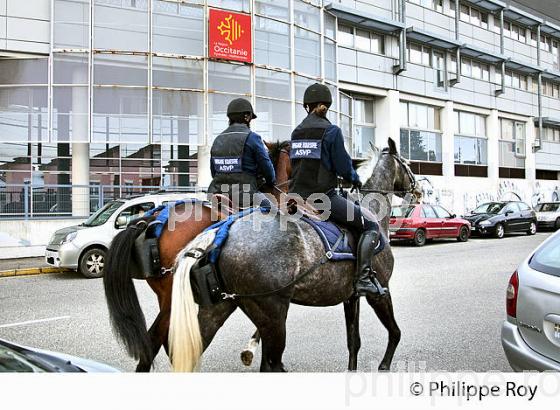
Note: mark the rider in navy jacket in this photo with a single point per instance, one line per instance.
(319, 157)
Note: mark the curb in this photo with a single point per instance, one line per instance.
(32, 271)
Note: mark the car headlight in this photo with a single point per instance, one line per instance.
(485, 223)
(69, 238)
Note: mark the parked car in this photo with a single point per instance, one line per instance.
(531, 331)
(548, 215)
(21, 359)
(83, 247)
(420, 222)
(499, 218)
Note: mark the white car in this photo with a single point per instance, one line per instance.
(548, 215)
(83, 247)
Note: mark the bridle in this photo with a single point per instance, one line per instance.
(409, 173)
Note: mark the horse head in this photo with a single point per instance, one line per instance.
(280, 157)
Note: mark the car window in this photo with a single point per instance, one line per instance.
(523, 206)
(548, 207)
(489, 208)
(440, 212)
(428, 212)
(547, 258)
(136, 211)
(511, 207)
(402, 212)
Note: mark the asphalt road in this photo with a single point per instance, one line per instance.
(448, 297)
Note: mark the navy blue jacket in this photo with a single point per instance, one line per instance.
(255, 159)
(335, 157)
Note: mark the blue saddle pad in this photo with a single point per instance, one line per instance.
(161, 219)
(223, 231)
(329, 234)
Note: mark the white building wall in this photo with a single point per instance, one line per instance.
(25, 25)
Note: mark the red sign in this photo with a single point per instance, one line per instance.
(229, 36)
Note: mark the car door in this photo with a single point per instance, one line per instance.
(431, 223)
(512, 216)
(448, 228)
(526, 216)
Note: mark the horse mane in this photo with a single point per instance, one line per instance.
(275, 148)
(365, 167)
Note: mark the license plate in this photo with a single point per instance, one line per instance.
(473, 228)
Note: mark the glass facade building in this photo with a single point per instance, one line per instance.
(121, 95)
(132, 80)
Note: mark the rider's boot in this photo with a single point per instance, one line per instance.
(367, 282)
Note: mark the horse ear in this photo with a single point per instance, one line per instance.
(269, 145)
(392, 147)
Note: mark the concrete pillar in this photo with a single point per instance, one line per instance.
(448, 127)
(204, 175)
(388, 119)
(493, 132)
(80, 179)
(531, 159)
(80, 152)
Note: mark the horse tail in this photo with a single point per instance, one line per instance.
(127, 318)
(185, 340)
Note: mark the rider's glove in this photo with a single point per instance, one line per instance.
(356, 186)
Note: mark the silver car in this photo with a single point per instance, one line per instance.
(548, 215)
(531, 332)
(83, 247)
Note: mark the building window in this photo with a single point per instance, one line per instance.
(436, 5)
(514, 80)
(471, 145)
(358, 121)
(362, 40)
(475, 69)
(556, 55)
(512, 143)
(418, 54)
(550, 135)
(546, 43)
(473, 16)
(513, 31)
(551, 89)
(420, 132)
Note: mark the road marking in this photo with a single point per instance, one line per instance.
(31, 322)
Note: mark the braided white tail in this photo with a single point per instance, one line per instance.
(185, 340)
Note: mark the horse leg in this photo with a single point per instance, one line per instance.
(158, 336)
(383, 307)
(249, 352)
(269, 317)
(211, 319)
(352, 316)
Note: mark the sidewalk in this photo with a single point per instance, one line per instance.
(27, 266)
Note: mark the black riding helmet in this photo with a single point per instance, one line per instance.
(317, 93)
(240, 106)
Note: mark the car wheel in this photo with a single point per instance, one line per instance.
(557, 224)
(463, 234)
(92, 263)
(500, 231)
(420, 237)
(532, 229)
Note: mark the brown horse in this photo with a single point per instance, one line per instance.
(126, 315)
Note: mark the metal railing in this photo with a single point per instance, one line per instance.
(26, 201)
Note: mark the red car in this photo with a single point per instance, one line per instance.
(421, 222)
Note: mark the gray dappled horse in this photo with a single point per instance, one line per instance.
(262, 261)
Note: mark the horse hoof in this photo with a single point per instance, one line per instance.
(247, 357)
(384, 368)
